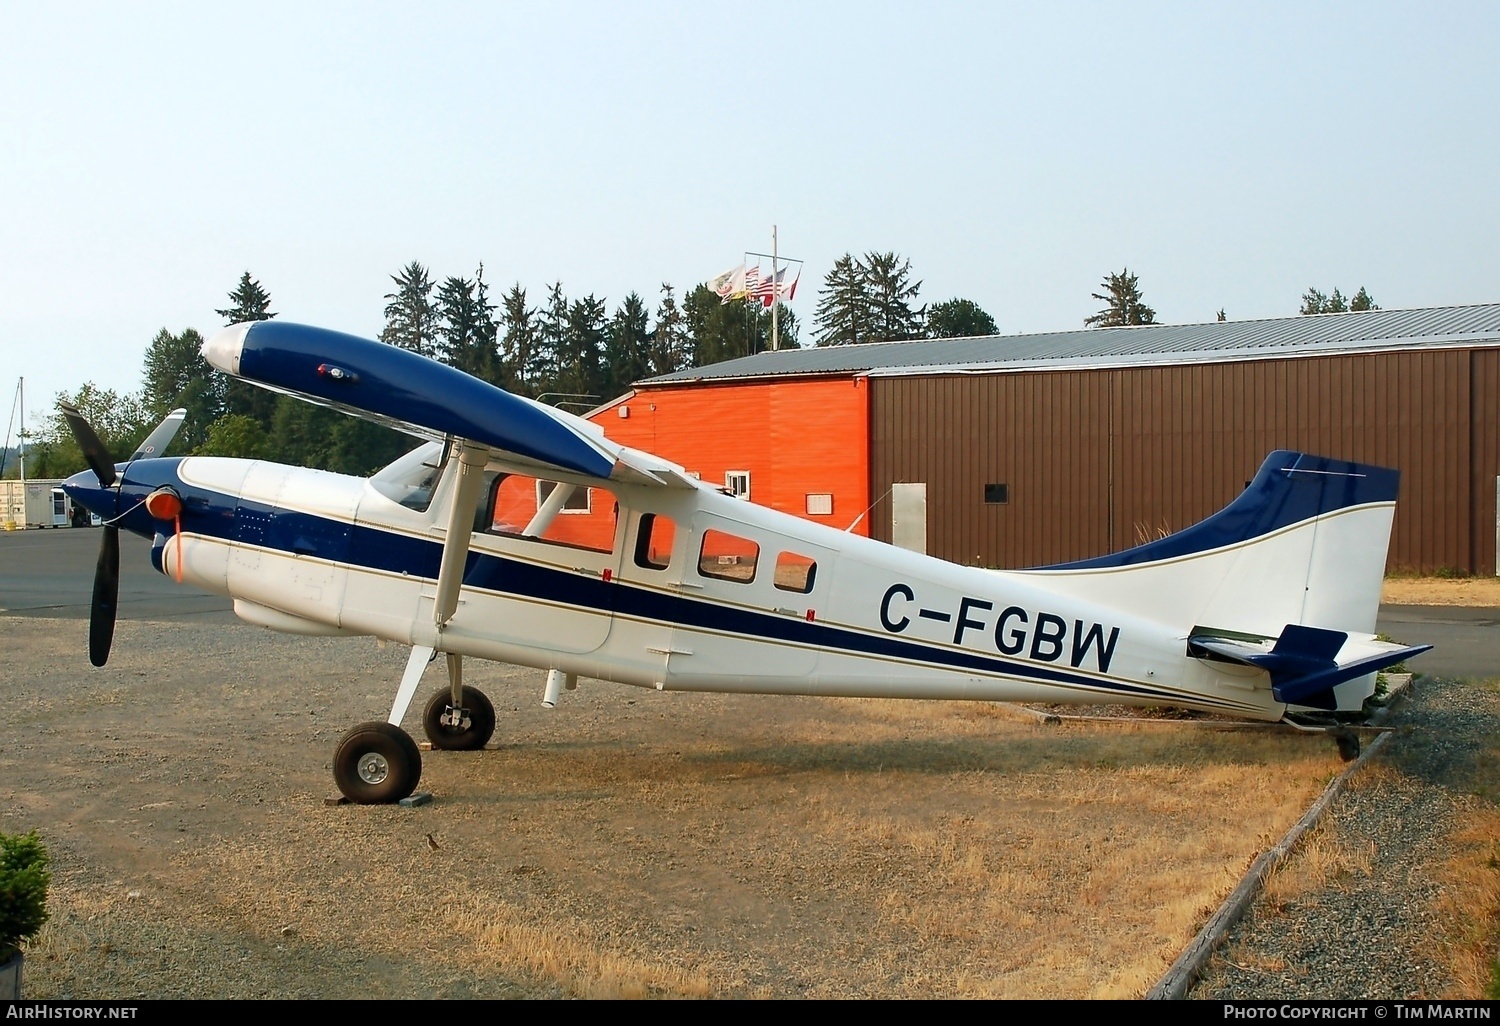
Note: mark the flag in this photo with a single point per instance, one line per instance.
(766, 288)
(751, 283)
(729, 284)
(791, 291)
(769, 292)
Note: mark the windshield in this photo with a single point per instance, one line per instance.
(411, 479)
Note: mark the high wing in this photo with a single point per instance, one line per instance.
(422, 397)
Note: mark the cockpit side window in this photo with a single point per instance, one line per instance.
(411, 479)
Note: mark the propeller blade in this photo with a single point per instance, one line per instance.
(99, 459)
(157, 441)
(106, 592)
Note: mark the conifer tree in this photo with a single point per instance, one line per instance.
(411, 321)
(518, 346)
(580, 364)
(1122, 293)
(176, 375)
(671, 348)
(551, 338)
(466, 326)
(1314, 302)
(627, 346)
(843, 316)
(892, 293)
(249, 302)
(726, 331)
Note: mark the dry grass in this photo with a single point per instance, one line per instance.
(1481, 592)
(581, 965)
(1469, 908)
(626, 844)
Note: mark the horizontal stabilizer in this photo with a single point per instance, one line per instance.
(1303, 663)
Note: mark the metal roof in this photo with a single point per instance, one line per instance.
(1317, 335)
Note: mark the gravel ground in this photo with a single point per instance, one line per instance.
(1375, 932)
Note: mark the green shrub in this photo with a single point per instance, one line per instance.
(23, 889)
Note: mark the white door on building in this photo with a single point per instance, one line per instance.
(909, 515)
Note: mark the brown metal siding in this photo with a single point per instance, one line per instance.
(1099, 460)
(1484, 447)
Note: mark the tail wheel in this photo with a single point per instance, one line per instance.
(465, 729)
(1348, 742)
(377, 763)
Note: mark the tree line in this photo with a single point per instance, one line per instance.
(572, 352)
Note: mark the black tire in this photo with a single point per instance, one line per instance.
(1348, 742)
(452, 739)
(376, 764)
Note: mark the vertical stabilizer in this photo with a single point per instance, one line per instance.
(1304, 544)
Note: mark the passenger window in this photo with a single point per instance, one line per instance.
(728, 557)
(653, 542)
(795, 573)
(514, 502)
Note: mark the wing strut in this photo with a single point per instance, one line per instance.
(551, 506)
(471, 460)
(416, 664)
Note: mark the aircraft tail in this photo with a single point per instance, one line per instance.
(1280, 578)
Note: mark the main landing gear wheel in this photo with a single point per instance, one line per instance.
(376, 764)
(459, 730)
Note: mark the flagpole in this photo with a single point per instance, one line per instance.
(21, 444)
(775, 289)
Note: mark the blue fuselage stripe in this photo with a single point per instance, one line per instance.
(245, 521)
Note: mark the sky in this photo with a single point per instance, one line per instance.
(1231, 155)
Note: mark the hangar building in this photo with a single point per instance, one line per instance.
(1026, 450)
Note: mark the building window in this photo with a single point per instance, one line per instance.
(795, 573)
(820, 504)
(727, 557)
(653, 543)
(578, 502)
(737, 483)
(996, 494)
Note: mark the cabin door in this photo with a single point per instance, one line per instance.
(749, 597)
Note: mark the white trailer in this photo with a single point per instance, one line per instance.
(35, 503)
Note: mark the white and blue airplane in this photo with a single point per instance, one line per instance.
(1263, 611)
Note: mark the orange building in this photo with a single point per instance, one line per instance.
(799, 446)
(1030, 450)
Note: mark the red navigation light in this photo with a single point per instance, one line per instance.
(328, 370)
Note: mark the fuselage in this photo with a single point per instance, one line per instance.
(783, 606)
